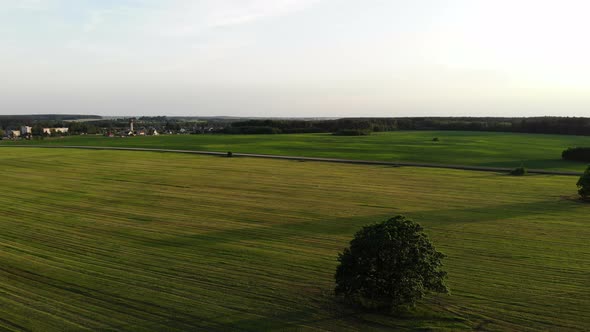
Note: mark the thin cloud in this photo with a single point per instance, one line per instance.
(189, 18)
(27, 5)
(262, 9)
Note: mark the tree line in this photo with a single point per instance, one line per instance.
(345, 126)
(577, 154)
(360, 126)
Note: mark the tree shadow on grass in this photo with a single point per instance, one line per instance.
(343, 227)
(495, 212)
(329, 312)
(319, 308)
(550, 163)
(275, 232)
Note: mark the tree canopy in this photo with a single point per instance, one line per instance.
(390, 264)
(577, 154)
(584, 185)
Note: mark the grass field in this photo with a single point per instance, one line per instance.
(111, 240)
(459, 147)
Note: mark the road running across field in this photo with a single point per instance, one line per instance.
(329, 160)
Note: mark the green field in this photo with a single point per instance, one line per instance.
(459, 148)
(112, 240)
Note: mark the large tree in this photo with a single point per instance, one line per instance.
(584, 185)
(37, 131)
(390, 264)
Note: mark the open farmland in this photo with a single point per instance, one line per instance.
(112, 240)
(455, 147)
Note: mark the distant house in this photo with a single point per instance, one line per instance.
(13, 133)
(48, 131)
(26, 130)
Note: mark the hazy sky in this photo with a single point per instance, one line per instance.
(295, 57)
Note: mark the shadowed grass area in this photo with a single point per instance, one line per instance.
(139, 241)
(510, 150)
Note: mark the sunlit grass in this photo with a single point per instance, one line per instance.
(454, 147)
(111, 240)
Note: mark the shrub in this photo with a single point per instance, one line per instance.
(252, 130)
(389, 265)
(352, 132)
(435, 139)
(229, 154)
(576, 154)
(303, 130)
(519, 171)
(584, 185)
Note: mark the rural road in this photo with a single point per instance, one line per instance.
(329, 160)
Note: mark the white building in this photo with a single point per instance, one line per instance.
(26, 130)
(13, 133)
(57, 130)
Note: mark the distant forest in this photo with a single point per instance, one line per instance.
(363, 126)
(91, 124)
(15, 121)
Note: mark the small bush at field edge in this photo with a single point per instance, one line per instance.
(576, 154)
(584, 185)
(519, 171)
(352, 132)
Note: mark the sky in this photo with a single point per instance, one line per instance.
(295, 58)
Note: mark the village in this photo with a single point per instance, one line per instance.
(109, 128)
(26, 132)
(132, 132)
